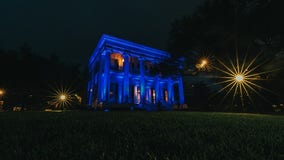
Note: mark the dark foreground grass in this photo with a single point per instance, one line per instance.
(140, 135)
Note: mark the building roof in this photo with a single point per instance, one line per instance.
(129, 47)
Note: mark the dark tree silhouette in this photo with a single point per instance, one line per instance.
(28, 78)
(225, 27)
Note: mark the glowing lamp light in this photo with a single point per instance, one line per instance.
(62, 97)
(1, 92)
(203, 63)
(239, 78)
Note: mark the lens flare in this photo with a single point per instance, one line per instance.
(240, 79)
(61, 97)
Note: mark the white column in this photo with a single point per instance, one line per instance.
(106, 79)
(170, 90)
(142, 81)
(100, 78)
(157, 88)
(120, 91)
(126, 96)
(173, 92)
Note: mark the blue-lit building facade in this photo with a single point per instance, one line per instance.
(123, 72)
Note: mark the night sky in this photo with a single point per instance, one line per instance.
(71, 29)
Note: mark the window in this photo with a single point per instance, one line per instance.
(153, 96)
(116, 61)
(166, 95)
(137, 95)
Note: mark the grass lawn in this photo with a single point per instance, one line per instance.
(140, 135)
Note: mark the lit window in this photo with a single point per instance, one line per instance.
(136, 94)
(153, 96)
(116, 61)
(166, 95)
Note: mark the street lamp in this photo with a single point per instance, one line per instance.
(204, 64)
(2, 92)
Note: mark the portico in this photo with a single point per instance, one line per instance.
(123, 72)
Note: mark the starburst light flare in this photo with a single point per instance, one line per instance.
(240, 79)
(61, 97)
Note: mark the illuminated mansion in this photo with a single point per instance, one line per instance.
(123, 72)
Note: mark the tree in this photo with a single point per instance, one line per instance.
(28, 77)
(225, 27)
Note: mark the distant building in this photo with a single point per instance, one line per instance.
(123, 72)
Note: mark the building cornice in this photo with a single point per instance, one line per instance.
(132, 48)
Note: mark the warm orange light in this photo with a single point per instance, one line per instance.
(166, 96)
(119, 58)
(1, 92)
(239, 78)
(203, 63)
(61, 97)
